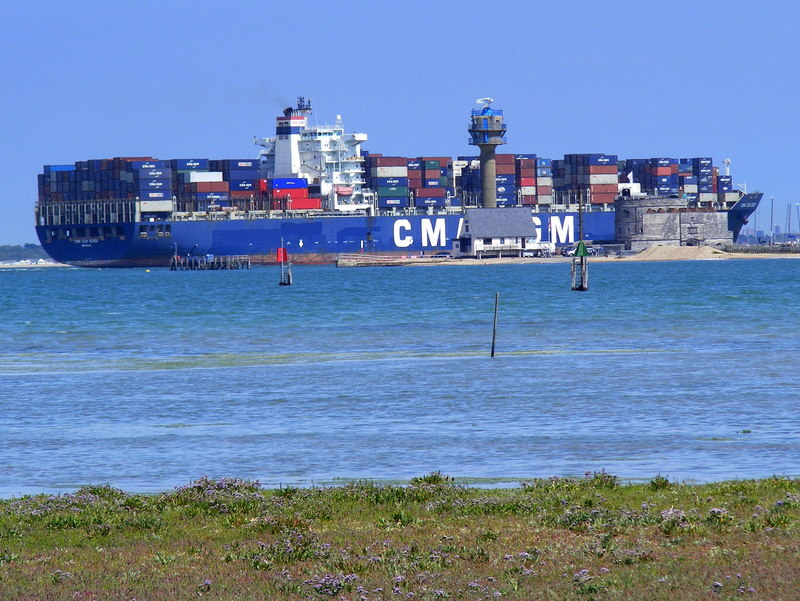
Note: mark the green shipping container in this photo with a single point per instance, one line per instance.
(444, 182)
(432, 165)
(392, 190)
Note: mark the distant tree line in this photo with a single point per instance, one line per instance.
(17, 253)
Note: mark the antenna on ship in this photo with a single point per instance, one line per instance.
(727, 162)
(487, 131)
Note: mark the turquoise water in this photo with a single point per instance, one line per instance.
(149, 380)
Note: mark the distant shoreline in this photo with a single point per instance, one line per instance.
(27, 265)
(655, 253)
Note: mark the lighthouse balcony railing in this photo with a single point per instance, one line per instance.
(484, 126)
(486, 140)
(486, 111)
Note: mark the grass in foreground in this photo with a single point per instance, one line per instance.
(590, 539)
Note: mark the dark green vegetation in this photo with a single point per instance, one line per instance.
(17, 253)
(561, 538)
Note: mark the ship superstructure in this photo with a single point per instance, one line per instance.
(326, 156)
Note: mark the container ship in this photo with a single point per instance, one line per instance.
(315, 189)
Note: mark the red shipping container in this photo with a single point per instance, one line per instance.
(505, 169)
(504, 159)
(603, 198)
(294, 193)
(262, 185)
(303, 204)
(526, 172)
(243, 194)
(603, 188)
(544, 190)
(603, 169)
(526, 163)
(430, 192)
(208, 187)
(388, 161)
(660, 171)
(528, 200)
(526, 181)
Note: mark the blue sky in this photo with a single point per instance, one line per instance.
(199, 79)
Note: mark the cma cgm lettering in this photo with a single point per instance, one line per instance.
(436, 232)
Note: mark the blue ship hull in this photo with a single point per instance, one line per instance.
(308, 240)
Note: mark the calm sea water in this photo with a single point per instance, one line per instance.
(149, 380)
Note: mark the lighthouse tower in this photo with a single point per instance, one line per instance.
(487, 131)
(287, 138)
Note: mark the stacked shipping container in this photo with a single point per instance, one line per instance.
(586, 177)
(193, 184)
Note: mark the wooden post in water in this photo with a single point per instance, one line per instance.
(494, 327)
(580, 255)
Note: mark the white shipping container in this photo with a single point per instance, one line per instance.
(544, 181)
(155, 206)
(603, 178)
(706, 197)
(205, 176)
(690, 188)
(527, 190)
(730, 196)
(545, 199)
(389, 172)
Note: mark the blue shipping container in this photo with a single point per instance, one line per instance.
(153, 195)
(388, 201)
(505, 179)
(601, 159)
(200, 196)
(421, 201)
(289, 182)
(155, 184)
(240, 164)
(190, 164)
(155, 173)
(242, 174)
(381, 182)
(148, 164)
(243, 184)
